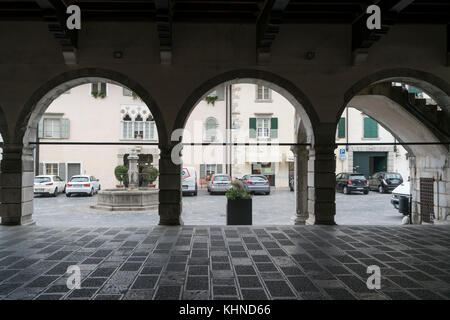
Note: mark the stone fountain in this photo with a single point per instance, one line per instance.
(132, 198)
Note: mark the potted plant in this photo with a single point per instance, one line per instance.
(150, 175)
(211, 99)
(239, 205)
(121, 173)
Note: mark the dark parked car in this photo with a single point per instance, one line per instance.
(256, 183)
(385, 181)
(350, 182)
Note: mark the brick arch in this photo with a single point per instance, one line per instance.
(283, 86)
(44, 96)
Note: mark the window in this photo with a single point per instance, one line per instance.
(262, 127)
(341, 128)
(51, 169)
(127, 92)
(51, 128)
(207, 170)
(263, 93)
(98, 88)
(370, 128)
(211, 129)
(138, 129)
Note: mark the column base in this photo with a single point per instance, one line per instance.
(17, 221)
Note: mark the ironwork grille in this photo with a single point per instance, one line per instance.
(427, 199)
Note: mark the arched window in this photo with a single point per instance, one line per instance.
(138, 127)
(211, 129)
(126, 127)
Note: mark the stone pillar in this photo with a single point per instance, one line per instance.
(16, 180)
(301, 183)
(170, 201)
(133, 171)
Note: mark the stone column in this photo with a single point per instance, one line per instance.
(301, 183)
(133, 171)
(322, 176)
(16, 180)
(170, 201)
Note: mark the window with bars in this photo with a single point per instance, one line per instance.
(263, 93)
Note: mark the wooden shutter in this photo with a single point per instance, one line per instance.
(202, 171)
(41, 168)
(274, 127)
(252, 127)
(64, 128)
(370, 128)
(62, 170)
(219, 168)
(341, 128)
(94, 88)
(103, 87)
(220, 92)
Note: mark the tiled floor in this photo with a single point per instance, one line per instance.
(283, 262)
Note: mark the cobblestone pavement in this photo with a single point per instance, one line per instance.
(276, 209)
(202, 262)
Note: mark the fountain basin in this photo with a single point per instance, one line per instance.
(141, 199)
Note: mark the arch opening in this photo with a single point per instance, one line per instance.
(246, 103)
(83, 123)
(394, 110)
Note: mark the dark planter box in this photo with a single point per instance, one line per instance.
(239, 212)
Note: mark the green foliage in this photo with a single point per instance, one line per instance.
(150, 174)
(237, 191)
(211, 99)
(121, 173)
(100, 95)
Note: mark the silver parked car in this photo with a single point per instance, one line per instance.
(256, 183)
(220, 183)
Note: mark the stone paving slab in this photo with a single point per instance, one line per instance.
(230, 262)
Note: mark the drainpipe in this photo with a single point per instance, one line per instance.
(36, 153)
(346, 129)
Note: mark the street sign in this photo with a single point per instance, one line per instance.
(342, 154)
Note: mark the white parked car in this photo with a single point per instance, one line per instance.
(402, 190)
(189, 181)
(82, 184)
(48, 184)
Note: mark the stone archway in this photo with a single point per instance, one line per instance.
(305, 111)
(17, 201)
(430, 162)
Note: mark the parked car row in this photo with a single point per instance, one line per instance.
(52, 185)
(347, 182)
(220, 183)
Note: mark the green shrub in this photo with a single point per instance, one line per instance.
(150, 174)
(121, 173)
(237, 191)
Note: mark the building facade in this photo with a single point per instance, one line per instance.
(356, 127)
(116, 115)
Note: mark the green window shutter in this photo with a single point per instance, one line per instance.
(274, 127)
(252, 127)
(94, 88)
(220, 92)
(62, 170)
(370, 128)
(41, 168)
(202, 171)
(41, 128)
(219, 168)
(341, 128)
(65, 128)
(103, 87)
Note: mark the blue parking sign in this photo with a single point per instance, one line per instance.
(341, 151)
